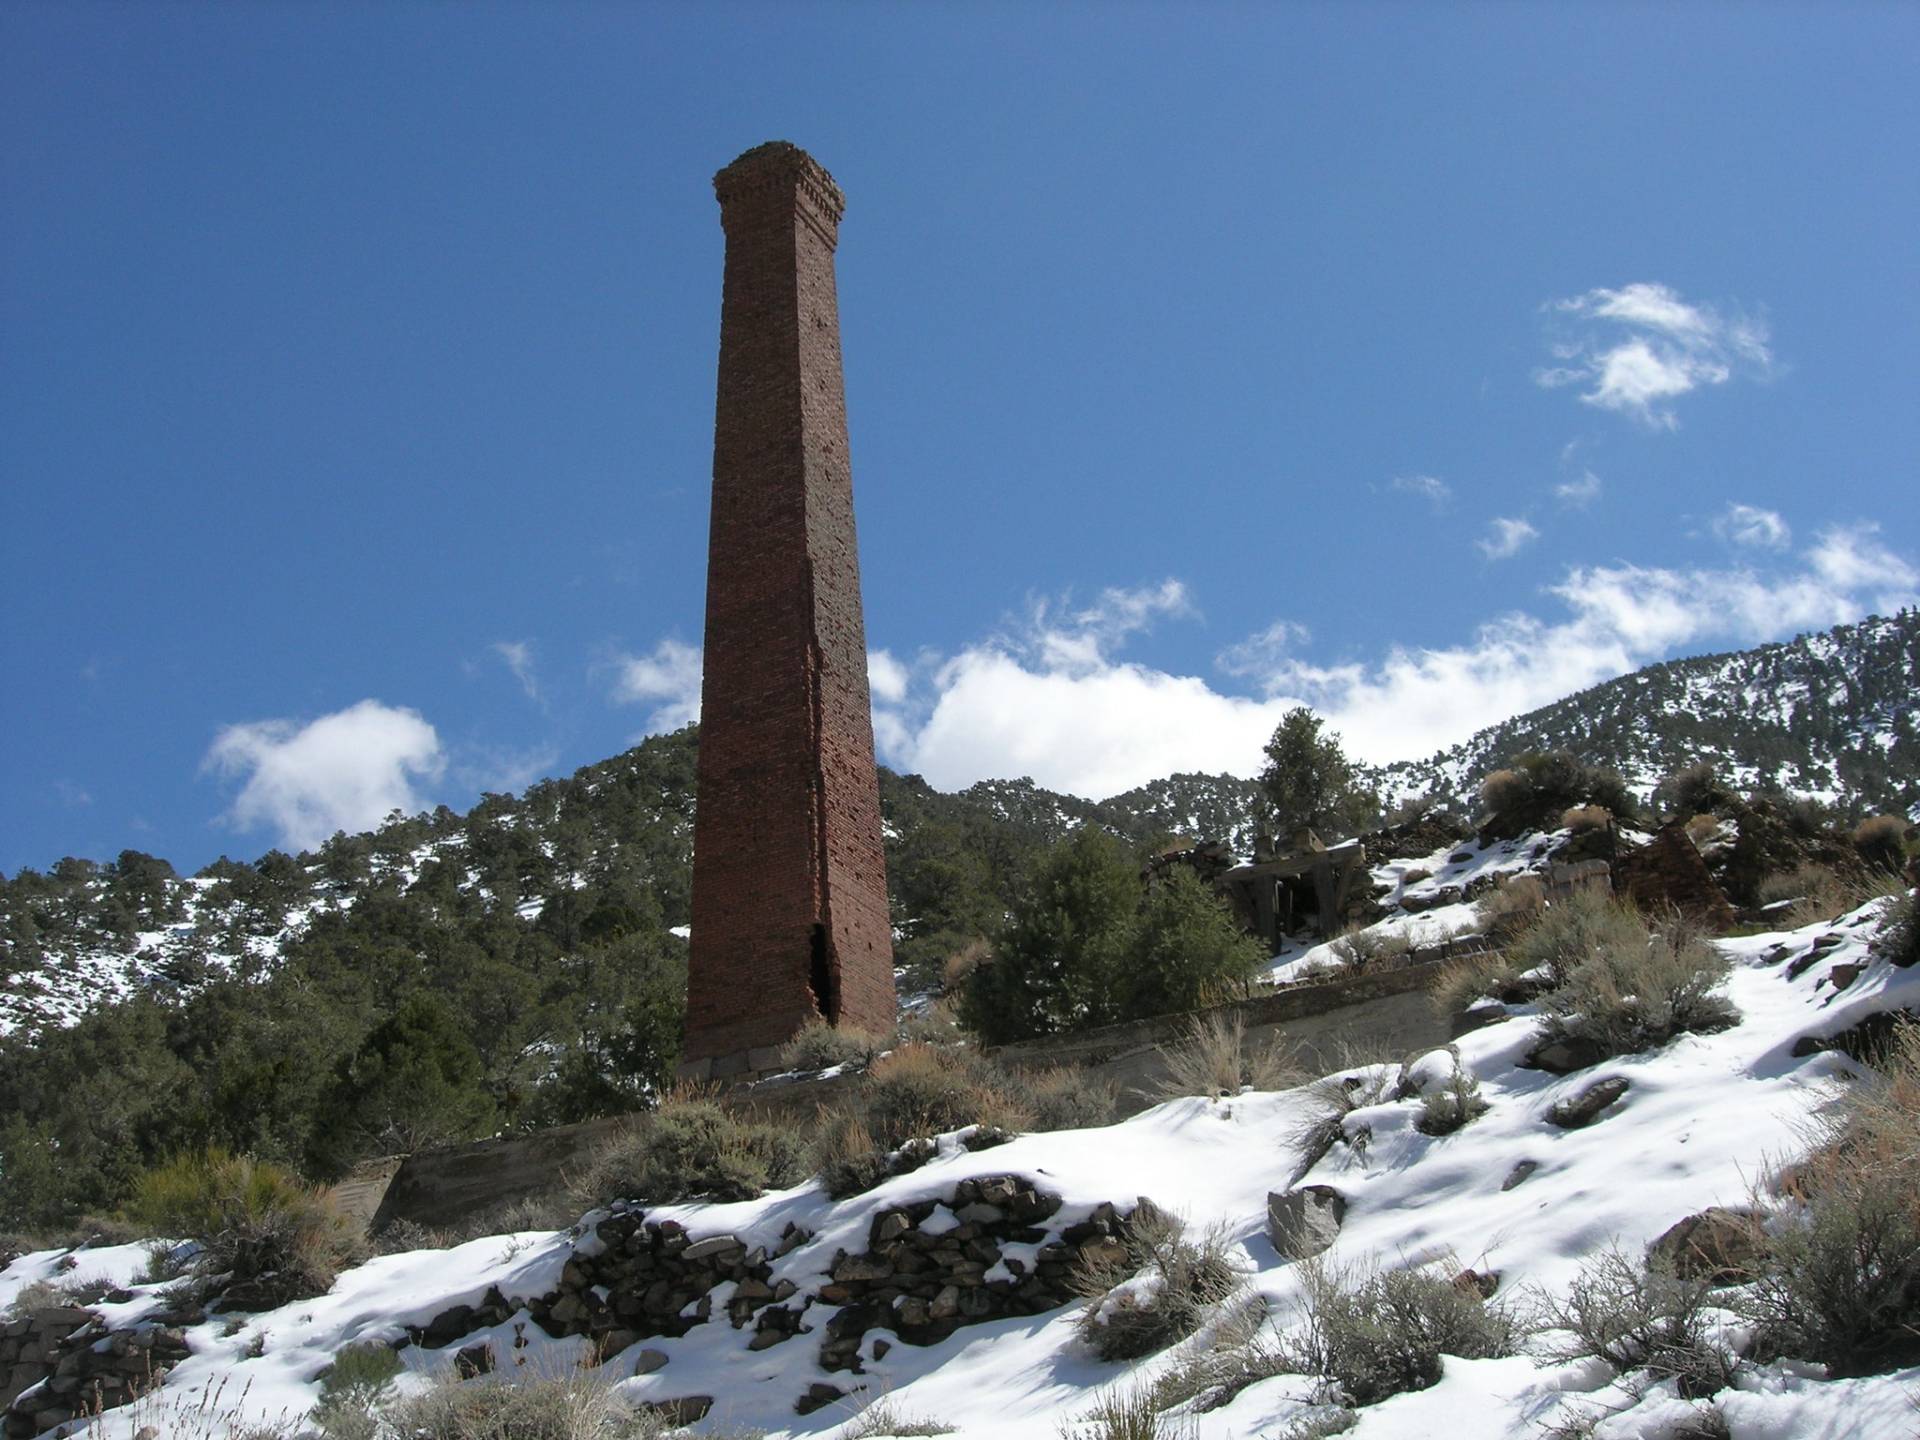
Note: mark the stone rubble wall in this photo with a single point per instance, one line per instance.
(62, 1364)
(982, 1253)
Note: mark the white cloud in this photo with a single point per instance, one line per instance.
(1579, 493)
(72, 794)
(518, 657)
(886, 677)
(668, 678)
(1430, 488)
(1848, 557)
(1669, 348)
(1750, 525)
(343, 771)
(1508, 537)
(1008, 707)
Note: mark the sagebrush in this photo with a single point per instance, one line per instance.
(1373, 1334)
(1159, 1292)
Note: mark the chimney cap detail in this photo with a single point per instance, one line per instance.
(777, 170)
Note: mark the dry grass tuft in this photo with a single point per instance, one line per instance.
(1214, 1058)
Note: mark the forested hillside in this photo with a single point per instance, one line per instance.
(448, 975)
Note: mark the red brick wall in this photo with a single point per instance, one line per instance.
(787, 830)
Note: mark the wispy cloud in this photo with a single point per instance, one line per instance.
(344, 771)
(1431, 488)
(1506, 537)
(1069, 637)
(1750, 525)
(1641, 347)
(1580, 492)
(71, 794)
(1259, 653)
(517, 655)
(667, 678)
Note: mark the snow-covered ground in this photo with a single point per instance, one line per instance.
(1702, 1123)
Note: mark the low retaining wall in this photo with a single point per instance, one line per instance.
(1386, 1009)
(445, 1187)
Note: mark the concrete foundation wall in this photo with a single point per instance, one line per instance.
(1387, 1013)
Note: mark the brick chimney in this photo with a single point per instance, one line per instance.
(790, 915)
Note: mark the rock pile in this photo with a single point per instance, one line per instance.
(62, 1363)
(648, 1278)
(929, 1268)
(932, 1267)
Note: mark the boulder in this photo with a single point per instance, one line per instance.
(1717, 1245)
(1518, 1175)
(1583, 1109)
(1306, 1221)
(1564, 1055)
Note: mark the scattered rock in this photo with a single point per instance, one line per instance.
(818, 1394)
(1518, 1175)
(474, 1360)
(1565, 1055)
(1845, 974)
(1477, 1282)
(1583, 1109)
(648, 1361)
(1306, 1221)
(1717, 1245)
(684, 1411)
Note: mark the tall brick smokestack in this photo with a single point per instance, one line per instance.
(790, 914)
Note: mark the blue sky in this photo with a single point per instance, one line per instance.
(1421, 362)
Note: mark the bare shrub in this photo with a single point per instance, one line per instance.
(1462, 983)
(254, 1222)
(847, 1157)
(1512, 905)
(1451, 1105)
(1880, 840)
(40, 1295)
(1586, 819)
(1838, 1278)
(884, 1420)
(1819, 893)
(1241, 1351)
(963, 962)
(1365, 948)
(1638, 1318)
(692, 1148)
(1570, 931)
(1898, 942)
(925, 1090)
(1329, 1102)
(353, 1388)
(1372, 1334)
(1160, 1292)
(1693, 790)
(934, 1024)
(1214, 1058)
(1063, 1097)
(1504, 791)
(1640, 989)
(820, 1046)
(1124, 1415)
(572, 1406)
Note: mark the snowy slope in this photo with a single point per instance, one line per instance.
(1702, 1122)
